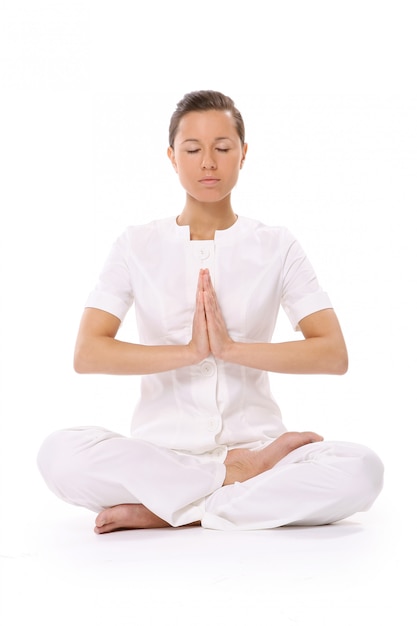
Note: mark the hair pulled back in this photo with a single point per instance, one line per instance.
(205, 101)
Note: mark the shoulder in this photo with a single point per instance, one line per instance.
(154, 228)
(276, 235)
(142, 234)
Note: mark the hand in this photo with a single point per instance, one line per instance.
(218, 336)
(199, 343)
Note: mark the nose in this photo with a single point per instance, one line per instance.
(208, 163)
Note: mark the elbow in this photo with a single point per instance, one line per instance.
(79, 365)
(340, 363)
(82, 362)
(334, 360)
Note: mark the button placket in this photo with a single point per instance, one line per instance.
(207, 368)
(203, 253)
(212, 424)
(205, 390)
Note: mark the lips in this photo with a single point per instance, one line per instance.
(209, 181)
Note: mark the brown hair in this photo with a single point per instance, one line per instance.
(205, 101)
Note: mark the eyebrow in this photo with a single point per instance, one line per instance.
(215, 139)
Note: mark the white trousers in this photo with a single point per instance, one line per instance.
(318, 483)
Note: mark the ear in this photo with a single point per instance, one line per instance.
(244, 151)
(171, 157)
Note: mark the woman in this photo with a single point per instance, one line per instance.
(208, 445)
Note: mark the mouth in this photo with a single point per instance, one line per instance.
(209, 181)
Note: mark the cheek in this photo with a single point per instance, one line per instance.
(184, 167)
(183, 174)
(185, 179)
(236, 171)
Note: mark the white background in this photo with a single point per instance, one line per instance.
(328, 94)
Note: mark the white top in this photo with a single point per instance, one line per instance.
(206, 408)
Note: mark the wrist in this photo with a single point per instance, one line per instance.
(195, 355)
(227, 352)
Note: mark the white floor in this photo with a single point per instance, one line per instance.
(56, 571)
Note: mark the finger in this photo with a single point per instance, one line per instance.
(199, 309)
(214, 317)
(207, 281)
(200, 281)
(210, 297)
(199, 330)
(210, 303)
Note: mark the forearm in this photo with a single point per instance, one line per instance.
(322, 351)
(315, 355)
(105, 355)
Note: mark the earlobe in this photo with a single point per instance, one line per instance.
(245, 149)
(171, 156)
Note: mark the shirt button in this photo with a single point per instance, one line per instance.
(207, 368)
(212, 424)
(204, 253)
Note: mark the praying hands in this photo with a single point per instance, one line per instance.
(210, 334)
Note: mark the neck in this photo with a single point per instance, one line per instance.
(205, 218)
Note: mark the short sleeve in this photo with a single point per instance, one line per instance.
(113, 292)
(302, 294)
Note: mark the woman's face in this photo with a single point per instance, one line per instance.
(207, 154)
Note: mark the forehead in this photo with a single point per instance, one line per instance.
(203, 125)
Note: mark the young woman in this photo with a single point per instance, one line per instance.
(208, 445)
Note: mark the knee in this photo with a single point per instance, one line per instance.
(61, 458)
(53, 457)
(367, 476)
(373, 472)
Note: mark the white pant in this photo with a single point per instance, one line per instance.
(318, 483)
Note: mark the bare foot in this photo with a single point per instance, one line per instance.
(127, 517)
(244, 464)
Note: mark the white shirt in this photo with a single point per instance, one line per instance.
(207, 408)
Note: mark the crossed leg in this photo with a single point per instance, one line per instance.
(240, 465)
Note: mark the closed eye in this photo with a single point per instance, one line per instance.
(195, 150)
